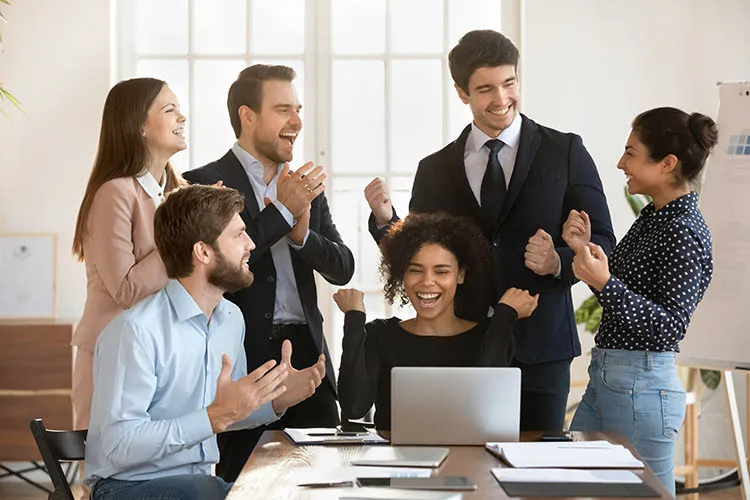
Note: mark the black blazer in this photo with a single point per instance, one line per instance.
(553, 174)
(324, 252)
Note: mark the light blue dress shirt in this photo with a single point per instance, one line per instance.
(287, 306)
(155, 371)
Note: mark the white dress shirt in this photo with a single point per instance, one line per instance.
(152, 187)
(476, 154)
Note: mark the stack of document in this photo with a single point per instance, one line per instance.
(511, 475)
(566, 455)
(323, 435)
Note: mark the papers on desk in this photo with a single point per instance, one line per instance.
(322, 435)
(512, 475)
(566, 455)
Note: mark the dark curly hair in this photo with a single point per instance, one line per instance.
(458, 235)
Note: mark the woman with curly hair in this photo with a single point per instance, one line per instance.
(435, 262)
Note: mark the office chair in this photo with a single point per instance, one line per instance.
(57, 446)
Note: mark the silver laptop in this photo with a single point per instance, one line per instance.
(455, 406)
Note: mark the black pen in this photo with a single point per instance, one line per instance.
(341, 433)
(338, 484)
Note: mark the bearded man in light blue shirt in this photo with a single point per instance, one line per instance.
(171, 372)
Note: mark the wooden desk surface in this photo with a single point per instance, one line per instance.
(267, 471)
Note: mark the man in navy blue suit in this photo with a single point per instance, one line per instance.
(287, 216)
(518, 181)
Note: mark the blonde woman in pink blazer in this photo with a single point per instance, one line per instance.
(142, 128)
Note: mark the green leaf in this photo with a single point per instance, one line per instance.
(712, 378)
(7, 96)
(589, 314)
(592, 325)
(636, 201)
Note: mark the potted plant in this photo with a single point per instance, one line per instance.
(5, 95)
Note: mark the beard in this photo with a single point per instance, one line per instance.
(228, 277)
(270, 148)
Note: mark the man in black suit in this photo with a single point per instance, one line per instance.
(518, 181)
(287, 216)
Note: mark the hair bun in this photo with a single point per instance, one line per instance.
(704, 130)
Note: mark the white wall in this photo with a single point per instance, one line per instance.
(591, 66)
(587, 66)
(56, 61)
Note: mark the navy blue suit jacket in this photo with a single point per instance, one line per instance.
(324, 252)
(553, 174)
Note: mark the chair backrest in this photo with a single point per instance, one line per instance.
(57, 446)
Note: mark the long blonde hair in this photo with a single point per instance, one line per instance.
(122, 150)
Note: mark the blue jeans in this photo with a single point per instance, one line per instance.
(638, 395)
(183, 487)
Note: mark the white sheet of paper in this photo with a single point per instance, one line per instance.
(618, 476)
(573, 455)
(303, 436)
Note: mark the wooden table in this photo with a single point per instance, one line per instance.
(267, 472)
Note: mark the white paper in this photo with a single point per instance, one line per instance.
(572, 454)
(513, 475)
(350, 473)
(302, 436)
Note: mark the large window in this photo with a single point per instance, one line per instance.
(372, 77)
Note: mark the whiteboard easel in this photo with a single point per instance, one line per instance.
(717, 337)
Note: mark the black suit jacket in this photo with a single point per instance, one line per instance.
(553, 174)
(324, 252)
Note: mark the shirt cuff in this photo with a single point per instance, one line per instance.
(265, 414)
(558, 273)
(296, 246)
(612, 292)
(285, 213)
(261, 416)
(196, 427)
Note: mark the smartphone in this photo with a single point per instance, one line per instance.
(450, 483)
(556, 436)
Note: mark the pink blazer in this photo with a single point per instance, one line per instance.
(122, 263)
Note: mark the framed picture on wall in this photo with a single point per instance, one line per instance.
(27, 275)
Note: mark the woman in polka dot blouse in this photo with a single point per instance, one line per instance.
(657, 275)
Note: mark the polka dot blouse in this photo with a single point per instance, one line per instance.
(660, 271)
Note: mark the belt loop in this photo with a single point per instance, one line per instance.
(650, 360)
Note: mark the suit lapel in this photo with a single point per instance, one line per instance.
(527, 147)
(465, 194)
(234, 175)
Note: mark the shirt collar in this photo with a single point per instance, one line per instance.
(152, 188)
(685, 203)
(185, 306)
(253, 167)
(510, 136)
